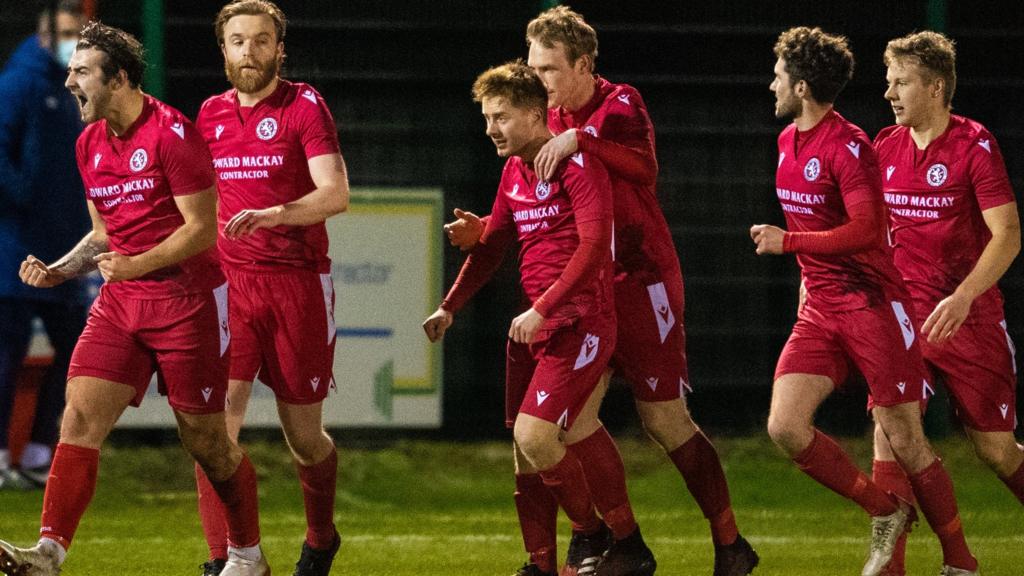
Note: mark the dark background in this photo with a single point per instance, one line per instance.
(397, 77)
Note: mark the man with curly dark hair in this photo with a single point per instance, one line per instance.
(149, 180)
(852, 303)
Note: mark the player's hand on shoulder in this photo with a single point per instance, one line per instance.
(37, 274)
(949, 315)
(554, 151)
(525, 326)
(248, 221)
(116, 267)
(437, 323)
(466, 231)
(767, 238)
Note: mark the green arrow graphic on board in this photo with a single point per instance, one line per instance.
(383, 389)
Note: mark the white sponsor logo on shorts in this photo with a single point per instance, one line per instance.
(906, 326)
(220, 296)
(541, 397)
(588, 351)
(902, 386)
(652, 382)
(206, 394)
(314, 382)
(662, 313)
(926, 389)
(564, 418)
(1004, 408)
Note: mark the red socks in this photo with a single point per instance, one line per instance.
(1015, 482)
(318, 485)
(934, 491)
(241, 505)
(569, 486)
(701, 469)
(69, 490)
(606, 478)
(538, 516)
(826, 462)
(212, 517)
(889, 476)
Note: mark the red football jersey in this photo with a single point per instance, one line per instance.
(261, 156)
(935, 198)
(820, 173)
(132, 180)
(543, 216)
(643, 243)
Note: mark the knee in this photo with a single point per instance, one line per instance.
(206, 444)
(534, 442)
(309, 447)
(787, 434)
(669, 428)
(1003, 459)
(77, 428)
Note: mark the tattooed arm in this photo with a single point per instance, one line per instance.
(77, 262)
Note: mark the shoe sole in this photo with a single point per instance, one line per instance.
(9, 565)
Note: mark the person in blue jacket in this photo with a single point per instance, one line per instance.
(39, 123)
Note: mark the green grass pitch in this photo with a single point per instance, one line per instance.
(432, 508)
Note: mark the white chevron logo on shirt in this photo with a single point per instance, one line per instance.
(220, 128)
(624, 98)
(179, 129)
(888, 172)
(988, 148)
(854, 148)
(308, 95)
(782, 156)
(578, 158)
(96, 160)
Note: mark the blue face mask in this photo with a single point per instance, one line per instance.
(65, 48)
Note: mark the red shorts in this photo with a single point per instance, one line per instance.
(880, 341)
(282, 329)
(980, 371)
(183, 339)
(553, 377)
(651, 348)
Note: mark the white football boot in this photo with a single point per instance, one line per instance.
(951, 571)
(43, 559)
(885, 530)
(240, 566)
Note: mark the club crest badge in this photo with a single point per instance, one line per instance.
(139, 160)
(812, 170)
(936, 175)
(543, 190)
(266, 129)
